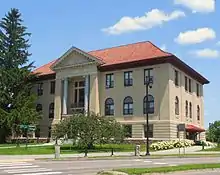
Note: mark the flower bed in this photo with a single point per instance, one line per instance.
(207, 143)
(164, 145)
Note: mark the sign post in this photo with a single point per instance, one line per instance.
(26, 129)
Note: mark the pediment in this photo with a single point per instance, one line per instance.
(75, 57)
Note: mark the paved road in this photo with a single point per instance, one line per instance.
(91, 167)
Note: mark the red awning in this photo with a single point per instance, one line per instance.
(193, 128)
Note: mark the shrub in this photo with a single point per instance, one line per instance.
(207, 143)
(164, 145)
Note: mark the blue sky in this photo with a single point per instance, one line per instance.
(189, 29)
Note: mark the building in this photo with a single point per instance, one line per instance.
(111, 82)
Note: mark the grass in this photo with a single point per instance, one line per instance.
(213, 149)
(139, 171)
(14, 144)
(7, 145)
(66, 149)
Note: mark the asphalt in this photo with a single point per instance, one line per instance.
(91, 167)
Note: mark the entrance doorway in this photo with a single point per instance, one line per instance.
(191, 135)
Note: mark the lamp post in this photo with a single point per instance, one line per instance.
(148, 83)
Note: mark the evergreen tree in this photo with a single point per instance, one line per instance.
(17, 104)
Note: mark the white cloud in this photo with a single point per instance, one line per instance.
(206, 53)
(163, 47)
(151, 19)
(195, 36)
(218, 43)
(204, 6)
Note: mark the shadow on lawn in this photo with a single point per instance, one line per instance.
(96, 148)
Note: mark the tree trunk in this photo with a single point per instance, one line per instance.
(90, 146)
(86, 152)
(3, 134)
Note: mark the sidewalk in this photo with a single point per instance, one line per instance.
(189, 150)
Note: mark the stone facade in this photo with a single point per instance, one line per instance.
(81, 85)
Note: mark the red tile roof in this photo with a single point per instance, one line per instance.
(117, 55)
(45, 69)
(141, 53)
(129, 53)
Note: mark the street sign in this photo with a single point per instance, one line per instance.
(28, 127)
(181, 127)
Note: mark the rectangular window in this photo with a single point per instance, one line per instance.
(81, 97)
(79, 93)
(150, 132)
(186, 83)
(109, 82)
(128, 131)
(52, 87)
(76, 96)
(128, 80)
(148, 75)
(40, 89)
(197, 89)
(176, 78)
(190, 85)
(81, 83)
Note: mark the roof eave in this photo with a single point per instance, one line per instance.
(133, 64)
(187, 69)
(172, 59)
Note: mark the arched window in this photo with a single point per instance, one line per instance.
(177, 106)
(39, 107)
(190, 110)
(148, 106)
(109, 106)
(128, 106)
(198, 112)
(51, 110)
(186, 110)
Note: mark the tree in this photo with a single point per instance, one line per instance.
(89, 129)
(213, 133)
(17, 103)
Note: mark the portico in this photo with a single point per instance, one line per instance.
(75, 72)
(75, 94)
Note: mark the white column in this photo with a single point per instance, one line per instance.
(86, 97)
(65, 94)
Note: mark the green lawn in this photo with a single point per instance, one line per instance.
(67, 149)
(139, 171)
(212, 149)
(14, 144)
(7, 145)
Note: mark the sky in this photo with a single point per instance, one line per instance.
(187, 28)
